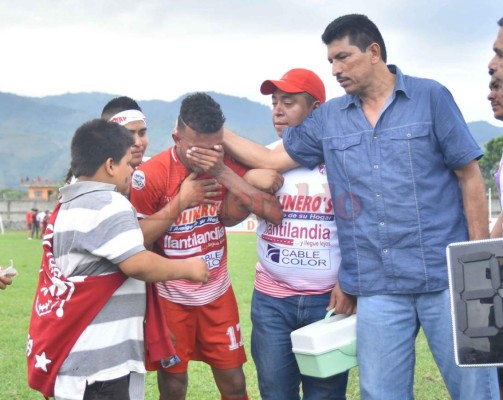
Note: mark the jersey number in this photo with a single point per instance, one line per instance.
(234, 344)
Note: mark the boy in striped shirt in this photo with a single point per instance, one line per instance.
(86, 331)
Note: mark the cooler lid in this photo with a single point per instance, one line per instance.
(325, 335)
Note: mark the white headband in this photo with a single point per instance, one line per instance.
(125, 117)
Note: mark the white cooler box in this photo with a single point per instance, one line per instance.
(327, 347)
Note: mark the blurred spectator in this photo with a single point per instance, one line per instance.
(28, 221)
(45, 221)
(35, 224)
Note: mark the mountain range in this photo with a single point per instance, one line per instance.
(35, 132)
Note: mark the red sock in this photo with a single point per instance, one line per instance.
(245, 397)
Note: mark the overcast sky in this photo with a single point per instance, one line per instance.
(162, 49)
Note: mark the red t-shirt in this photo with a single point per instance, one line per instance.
(198, 231)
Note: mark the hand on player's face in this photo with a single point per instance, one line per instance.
(206, 160)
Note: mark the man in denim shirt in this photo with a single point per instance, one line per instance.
(405, 182)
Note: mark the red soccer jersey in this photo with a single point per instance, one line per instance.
(198, 231)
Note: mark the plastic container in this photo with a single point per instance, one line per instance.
(327, 347)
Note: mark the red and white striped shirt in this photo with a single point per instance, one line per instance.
(301, 256)
(198, 231)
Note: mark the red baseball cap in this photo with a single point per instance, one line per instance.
(297, 80)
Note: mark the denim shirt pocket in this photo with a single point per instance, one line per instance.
(408, 147)
(347, 154)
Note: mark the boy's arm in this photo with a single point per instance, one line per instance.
(150, 267)
(192, 192)
(255, 155)
(118, 238)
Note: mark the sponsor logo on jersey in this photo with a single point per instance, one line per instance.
(194, 241)
(203, 211)
(291, 230)
(195, 217)
(297, 258)
(273, 253)
(214, 258)
(138, 180)
(306, 203)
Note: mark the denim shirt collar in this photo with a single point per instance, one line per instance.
(400, 86)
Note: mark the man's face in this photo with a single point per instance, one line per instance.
(350, 66)
(139, 131)
(496, 94)
(289, 109)
(123, 171)
(187, 137)
(496, 63)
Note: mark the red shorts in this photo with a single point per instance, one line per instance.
(210, 333)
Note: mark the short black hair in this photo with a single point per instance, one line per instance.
(362, 32)
(117, 105)
(96, 141)
(201, 113)
(500, 22)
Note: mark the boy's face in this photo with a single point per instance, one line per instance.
(123, 172)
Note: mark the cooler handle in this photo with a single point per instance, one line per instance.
(329, 313)
(332, 311)
(350, 349)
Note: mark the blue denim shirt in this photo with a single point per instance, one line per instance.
(397, 200)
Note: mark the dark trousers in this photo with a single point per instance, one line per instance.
(115, 389)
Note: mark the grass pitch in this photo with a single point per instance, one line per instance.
(16, 302)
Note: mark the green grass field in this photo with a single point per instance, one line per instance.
(16, 302)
